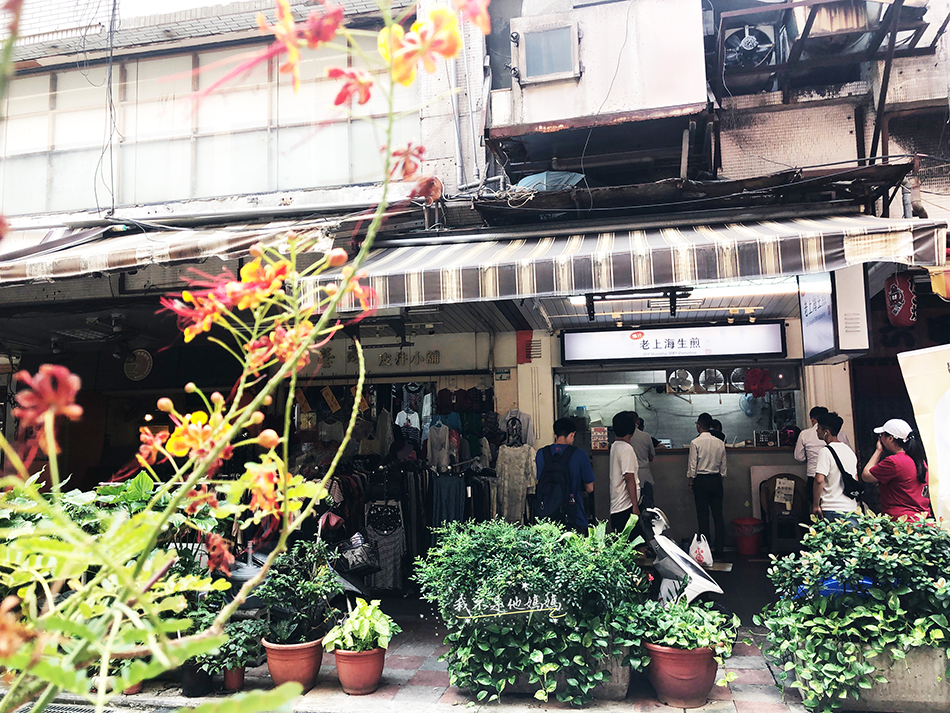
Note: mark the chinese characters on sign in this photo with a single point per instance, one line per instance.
(519, 604)
(402, 358)
(666, 345)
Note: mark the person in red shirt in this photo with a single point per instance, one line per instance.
(899, 465)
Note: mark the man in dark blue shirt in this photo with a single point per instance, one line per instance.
(582, 474)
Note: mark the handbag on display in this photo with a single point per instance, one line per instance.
(359, 556)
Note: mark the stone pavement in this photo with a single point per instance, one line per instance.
(415, 679)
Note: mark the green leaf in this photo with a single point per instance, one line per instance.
(278, 699)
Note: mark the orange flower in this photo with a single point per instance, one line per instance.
(358, 83)
(437, 35)
(13, 635)
(407, 161)
(285, 32)
(337, 257)
(200, 497)
(151, 446)
(219, 556)
(208, 309)
(264, 478)
(476, 12)
(192, 434)
(52, 390)
(429, 188)
(258, 282)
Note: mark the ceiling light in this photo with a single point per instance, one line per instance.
(752, 319)
(731, 320)
(148, 417)
(602, 387)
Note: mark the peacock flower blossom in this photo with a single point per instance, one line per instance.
(219, 554)
(52, 390)
(358, 83)
(285, 32)
(259, 353)
(436, 35)
(321, 27)
(429, 188)
(13, 635)
(263, 479)
(406, 161)
(337, 257)
(476, 12)
(259, 281)
(196, 311)
(199, 497)
(151, 446)
(191, 434)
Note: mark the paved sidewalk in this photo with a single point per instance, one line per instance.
(415, 679)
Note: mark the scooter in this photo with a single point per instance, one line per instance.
(673, 564)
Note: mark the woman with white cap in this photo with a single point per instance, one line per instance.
(901, 472)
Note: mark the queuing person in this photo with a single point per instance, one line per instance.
(809, 445)
(656, 441)
(716, 430)
(899, 466)
(643, 446)
(830, 501)
(705, 470)
(581, 472)
(624, 498)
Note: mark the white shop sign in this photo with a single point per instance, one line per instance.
(765, 339)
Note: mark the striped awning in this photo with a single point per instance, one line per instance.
(497, 269)
(64, 253)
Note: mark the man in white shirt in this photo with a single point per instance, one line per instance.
(624, 500)
(830, 502)
(810, 444)
(705, 470)
(643, 446)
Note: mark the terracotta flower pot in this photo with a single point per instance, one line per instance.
(132, 690)
(682, 678)
(234, 679)
(294, 662)
(360, 671)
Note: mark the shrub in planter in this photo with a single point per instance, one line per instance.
(530, 603)
(242, 646)
(679, 645)
(360, 644)
(297, 592)
(857, 590)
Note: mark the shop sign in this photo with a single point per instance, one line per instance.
(766, 338)
(502, 374)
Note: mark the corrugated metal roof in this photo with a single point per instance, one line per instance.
(167, 28)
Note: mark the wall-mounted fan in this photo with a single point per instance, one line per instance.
(737, 379)
(680, 381)
(138, 365)
(712, 380)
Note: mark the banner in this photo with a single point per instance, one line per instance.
(927, 377)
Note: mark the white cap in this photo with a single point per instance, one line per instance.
(896, 427)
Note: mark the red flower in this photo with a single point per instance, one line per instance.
(54, 390)
(429, 188)
(322, 27)
(264, 478)
(219, 556)
(151, 445)
(476, 12)
(358, 83)
(200, 497)
(207, 309)
(407, 161)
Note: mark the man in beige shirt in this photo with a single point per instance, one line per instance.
(705, 470)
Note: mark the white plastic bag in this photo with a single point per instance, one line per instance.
(699, 551)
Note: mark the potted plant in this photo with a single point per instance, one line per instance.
(297, 592)
(242, 647)
(864, 613)
(680, 645)
(359, 644)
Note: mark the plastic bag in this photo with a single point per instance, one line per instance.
(699, 550)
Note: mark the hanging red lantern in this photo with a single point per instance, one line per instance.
(901, 300)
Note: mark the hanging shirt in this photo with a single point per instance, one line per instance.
(517, 476)
(519, 428)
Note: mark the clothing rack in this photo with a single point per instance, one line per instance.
(451, 470)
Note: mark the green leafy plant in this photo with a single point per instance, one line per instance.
(530, 605)
(243, 644)
(893, 595)
(366, 627)
(677, 624)
(297, 591)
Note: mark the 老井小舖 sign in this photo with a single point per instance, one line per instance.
(763, 339)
